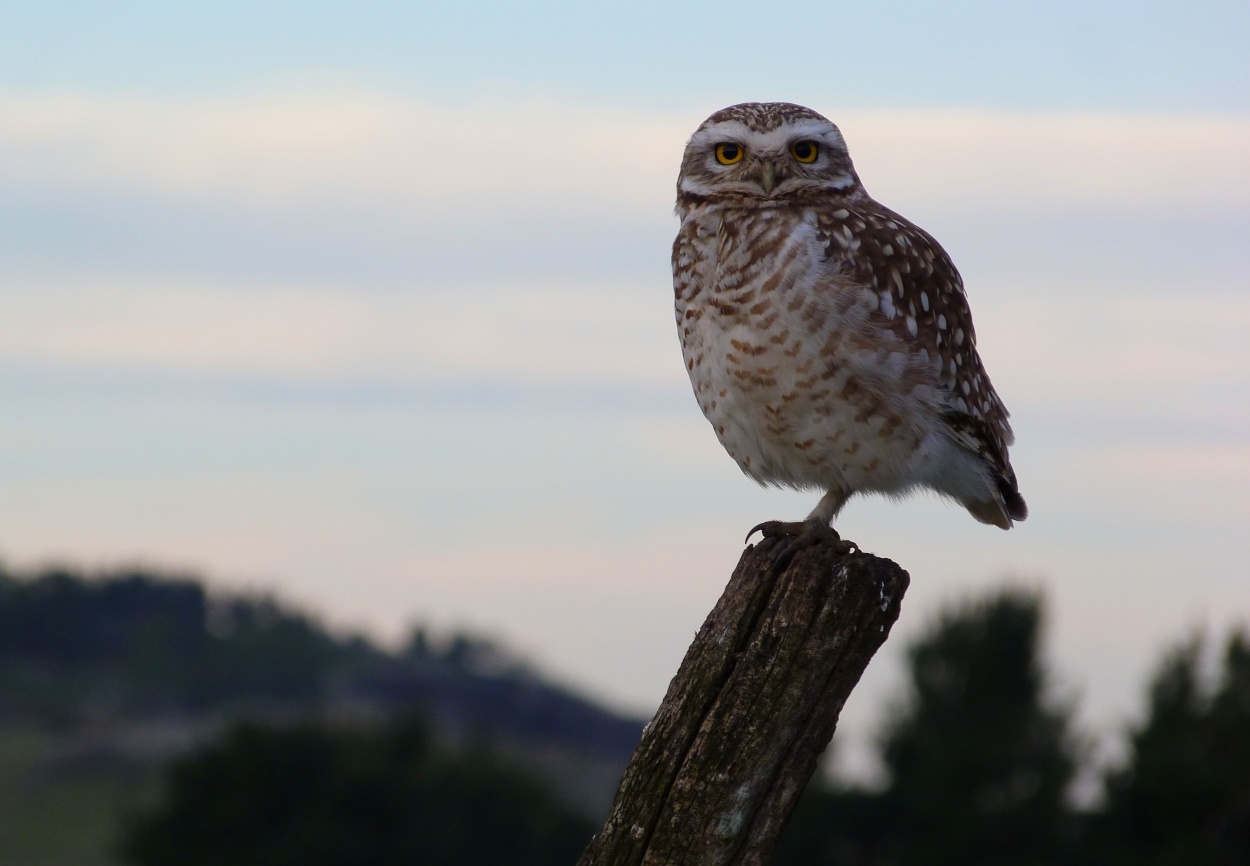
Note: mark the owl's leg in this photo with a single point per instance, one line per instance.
(828, 507)
(816, 529)
(820, 520)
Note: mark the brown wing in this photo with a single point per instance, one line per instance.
(922, 301)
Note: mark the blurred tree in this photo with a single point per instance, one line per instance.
(135, 643)
(316, 797)
(978, 759)
(979, 762)
(1184, 795)
(836, 826)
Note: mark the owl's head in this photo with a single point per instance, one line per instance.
(765, 152)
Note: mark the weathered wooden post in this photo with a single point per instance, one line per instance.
(753, 705)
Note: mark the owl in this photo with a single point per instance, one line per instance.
(828, 339)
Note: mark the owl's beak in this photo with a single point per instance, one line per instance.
(768, 177)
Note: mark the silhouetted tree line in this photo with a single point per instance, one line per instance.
(979, 756)
(137, 644)
(980, 762)
(309, 796)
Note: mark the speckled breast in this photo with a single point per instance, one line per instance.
(802, 387)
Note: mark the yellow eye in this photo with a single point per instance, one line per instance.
(805, 151)
(728, 154)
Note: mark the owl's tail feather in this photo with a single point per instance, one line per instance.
(1012, 500)
(989, 511)
(1000, 511)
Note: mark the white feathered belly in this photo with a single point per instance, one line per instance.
(803, 383)
(841, 407)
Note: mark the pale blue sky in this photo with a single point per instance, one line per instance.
(369, 304)
(1130, 54)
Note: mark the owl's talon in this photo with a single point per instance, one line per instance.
(774, 528)
(800, 535)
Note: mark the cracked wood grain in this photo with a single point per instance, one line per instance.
(754, 703)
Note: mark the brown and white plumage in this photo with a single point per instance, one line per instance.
(828, 339)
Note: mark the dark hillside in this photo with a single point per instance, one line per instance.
(137, 645)
(121, 652)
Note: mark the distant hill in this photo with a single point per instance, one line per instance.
(143, 651)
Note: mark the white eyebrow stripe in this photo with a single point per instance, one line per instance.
(776, 139)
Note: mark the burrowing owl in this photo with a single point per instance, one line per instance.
(828, 339)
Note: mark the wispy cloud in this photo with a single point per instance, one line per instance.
(1018, 159)
(420, 167)
(552, 332)
(286, 152)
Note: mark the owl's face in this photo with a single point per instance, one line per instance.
(758, 153)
